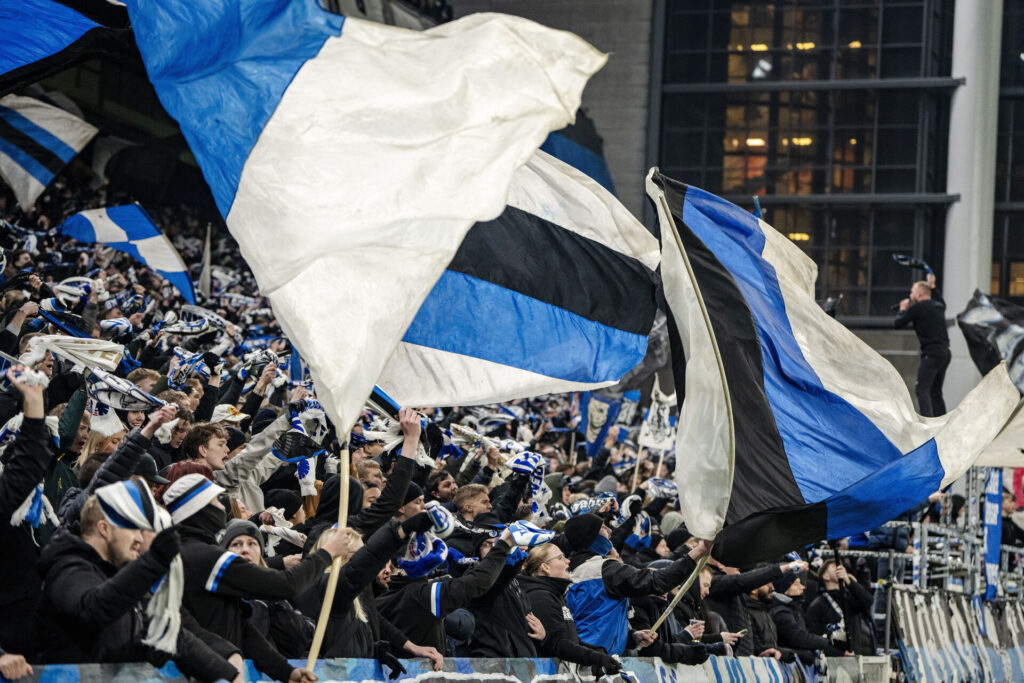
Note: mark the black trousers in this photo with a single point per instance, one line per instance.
(930, 376)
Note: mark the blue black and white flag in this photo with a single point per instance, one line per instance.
(791, 429)
(36, 141)
(349, 159)
(47, 36)
(130, 229)
(556, 294)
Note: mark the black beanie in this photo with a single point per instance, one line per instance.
(287, 500)
(581, 531)
(236, 438)
(242, 527)
(412, 493)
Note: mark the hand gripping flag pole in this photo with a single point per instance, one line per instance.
(332, 580)
(682, 591)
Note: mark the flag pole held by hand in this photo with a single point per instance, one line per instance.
(332, 580)
(682, 591)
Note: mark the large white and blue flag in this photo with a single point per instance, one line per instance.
(791, 428)
(556, 294)
(130, 229)
(36, 141)
(350, 159)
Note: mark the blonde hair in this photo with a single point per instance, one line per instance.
(97, 443)
(538, 556)
(357, 604)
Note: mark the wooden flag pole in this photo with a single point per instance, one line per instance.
(636, 475)
(682, 591)
(332, 580)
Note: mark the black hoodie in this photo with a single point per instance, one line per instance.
(217, 582)
(93, 612)
(420, 605)
(547, 599)
(19, 582)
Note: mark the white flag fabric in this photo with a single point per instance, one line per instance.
(350, 158)
(1005, 449)
(36, 141)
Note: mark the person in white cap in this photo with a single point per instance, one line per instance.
(217, 581)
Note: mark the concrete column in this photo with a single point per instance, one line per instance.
(970, 172)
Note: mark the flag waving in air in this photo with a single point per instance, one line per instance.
(350, 159)
(556, 294)
(130, 229)
(791, 428)
(36, 141)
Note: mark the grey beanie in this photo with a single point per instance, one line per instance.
(670, 522)
(242, 527)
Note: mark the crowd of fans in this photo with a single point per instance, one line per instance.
(480, 532)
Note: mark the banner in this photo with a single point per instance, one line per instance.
(658, 430)
(598, 414)
(630, 401)
(493, 670)
(993, 530)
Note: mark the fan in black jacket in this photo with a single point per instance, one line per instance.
(217, 582)
(94, 595)
(788, 614)
(545, 583)
(25, 462)
(420, 604)
(505, 624)
(355, 628)
(849, 606)
(728, 592)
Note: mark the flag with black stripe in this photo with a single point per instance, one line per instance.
(792, 429)
(36, 141)
(46, 36)
(556, 294)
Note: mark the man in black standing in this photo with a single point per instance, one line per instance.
(926, 310)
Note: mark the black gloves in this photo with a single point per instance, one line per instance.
(609, 666)
(382, 653)
(212, 360)
(417, 524)
(166, 545)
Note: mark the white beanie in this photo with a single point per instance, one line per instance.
(189, 495)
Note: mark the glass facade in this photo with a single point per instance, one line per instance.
(833, 112)
(1008, 229)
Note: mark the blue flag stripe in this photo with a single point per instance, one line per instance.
(25, 160)
(44, 28)
(468, 316)
(807, 428)
(887, 492)
(39, 134)
(230, 81)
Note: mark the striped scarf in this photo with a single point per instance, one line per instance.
(130, 505)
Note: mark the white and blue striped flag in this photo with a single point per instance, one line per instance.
(349, 159)
(36, 141)
(130, 229)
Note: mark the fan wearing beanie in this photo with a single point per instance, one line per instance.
(420, 603)
(355, 628)
(601, 584)
(787, 611)
(217, 581)
(98, 585)
(280, 623)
